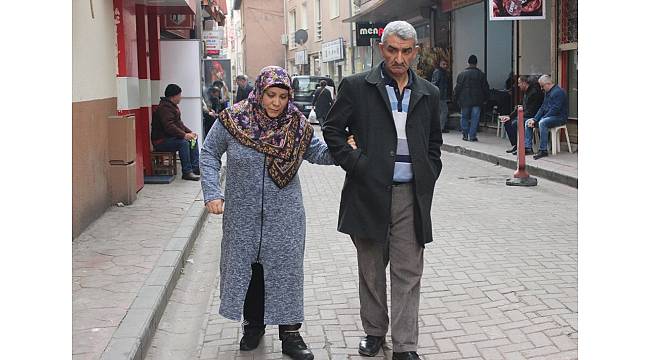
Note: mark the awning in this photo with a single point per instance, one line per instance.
(389, 10)
(177, 7)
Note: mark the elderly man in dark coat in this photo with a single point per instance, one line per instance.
(388, 190)
(471, 91)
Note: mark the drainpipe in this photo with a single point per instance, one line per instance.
(352, 40)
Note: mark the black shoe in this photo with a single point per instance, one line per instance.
(409, 355)
(197, 171)
(465, 138)
(541, 154)
(250, 340)
(529, 151)
(294, 346)
(444, 131)
(191, 176)
(370, 345)
(474, 139)
(513, 150)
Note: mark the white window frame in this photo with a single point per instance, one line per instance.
(292, 29)
(318, 24)
(335, 9)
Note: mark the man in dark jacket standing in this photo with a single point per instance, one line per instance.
(552, 113)
(531, 102)
(322, 101)
(471, 91)
(388, 190)
(168, 133)
(440, 78)
(243, 88)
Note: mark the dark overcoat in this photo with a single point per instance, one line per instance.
(362, 108)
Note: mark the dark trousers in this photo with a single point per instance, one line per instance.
(254, 304)
(511, 130)
(189, 157)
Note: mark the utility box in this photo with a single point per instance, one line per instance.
(121, 156)
(121, 139)
(123, 185)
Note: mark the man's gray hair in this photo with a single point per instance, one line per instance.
(241, 77)
(402, 29)
(546, 79)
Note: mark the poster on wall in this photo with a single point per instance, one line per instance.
(217, 70)
(517, 10)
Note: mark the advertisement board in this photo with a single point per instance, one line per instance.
(517, 10)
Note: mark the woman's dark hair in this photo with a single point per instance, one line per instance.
(323, 83)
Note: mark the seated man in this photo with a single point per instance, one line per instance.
(552, 113)
(168, 133)
(531, 101)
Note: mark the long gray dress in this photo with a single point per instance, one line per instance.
(282, 237)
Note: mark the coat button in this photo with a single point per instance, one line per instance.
(391, 153)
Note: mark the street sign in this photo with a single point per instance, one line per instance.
(332, 50)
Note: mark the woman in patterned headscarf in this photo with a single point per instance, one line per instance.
(266, 138)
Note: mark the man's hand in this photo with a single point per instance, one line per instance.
(530, 123)
(195, 136)
(215, 206)
(189, 136)
(351, 142)
(504, 118)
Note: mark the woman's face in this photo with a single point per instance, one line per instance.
(274, 101)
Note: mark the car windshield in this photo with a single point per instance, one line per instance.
(304, 85)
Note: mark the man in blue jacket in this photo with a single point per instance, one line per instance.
(552, 113)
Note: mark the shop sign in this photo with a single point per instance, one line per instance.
(213, 41)
(300, 57)
(332, 50)
(517, 10)
(366, 31)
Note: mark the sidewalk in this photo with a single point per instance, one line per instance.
(125, 266)
(562, 167)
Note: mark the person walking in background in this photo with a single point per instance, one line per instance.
(394, 117)
(266, 139)
(169, 133)
(552, 113)
(440, 78)
(243, 88)
(322, 101)
(471, 91)
(531, 102)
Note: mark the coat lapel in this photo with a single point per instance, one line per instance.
(374, 77)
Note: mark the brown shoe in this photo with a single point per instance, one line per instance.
(191, 176)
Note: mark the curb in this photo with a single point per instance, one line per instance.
(133, 336)
(512, 164)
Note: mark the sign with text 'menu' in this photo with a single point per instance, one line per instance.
(366, 31)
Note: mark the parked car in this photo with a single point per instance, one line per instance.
(304, 87)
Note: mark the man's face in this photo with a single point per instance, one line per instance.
(546, 86)
(444, 65)
(523, 85)
(398, 54)
(241, 82)
(176, 99)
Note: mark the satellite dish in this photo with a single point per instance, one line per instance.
(301, 36)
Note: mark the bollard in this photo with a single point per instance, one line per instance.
(521, 177)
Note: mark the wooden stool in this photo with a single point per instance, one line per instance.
(163, 163)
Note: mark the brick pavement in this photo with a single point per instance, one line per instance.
(500, 279)
(114, 256)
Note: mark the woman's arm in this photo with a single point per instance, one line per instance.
(318, 153)
(214, 146)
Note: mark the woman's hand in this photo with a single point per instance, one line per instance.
(351, 142)
(215, 206)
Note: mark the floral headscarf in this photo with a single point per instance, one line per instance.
(283, 139)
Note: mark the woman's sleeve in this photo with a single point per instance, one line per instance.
(214, 146)
(318, 153)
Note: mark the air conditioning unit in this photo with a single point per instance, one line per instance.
(284, 39)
